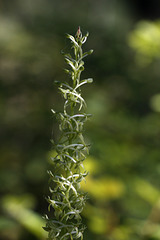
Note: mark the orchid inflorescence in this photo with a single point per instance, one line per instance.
(67, 200)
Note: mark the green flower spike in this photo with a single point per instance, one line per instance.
(67, 200)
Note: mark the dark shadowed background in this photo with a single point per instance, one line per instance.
(124, 132)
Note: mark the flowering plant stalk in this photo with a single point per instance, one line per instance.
(67, 200)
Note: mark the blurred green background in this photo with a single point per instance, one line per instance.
(124, 132)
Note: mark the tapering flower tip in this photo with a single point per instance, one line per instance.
(78, 33)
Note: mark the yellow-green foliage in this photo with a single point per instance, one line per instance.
(145, 39)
